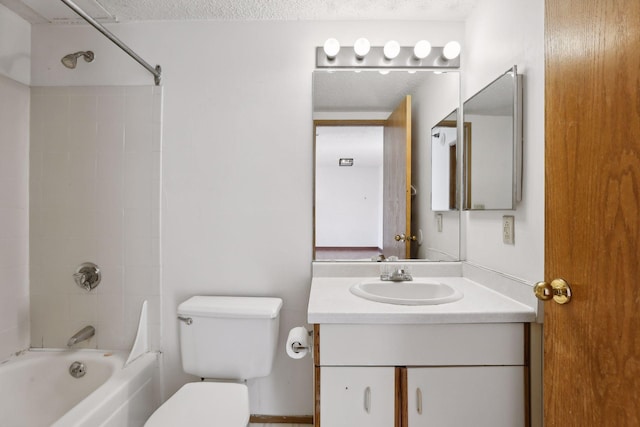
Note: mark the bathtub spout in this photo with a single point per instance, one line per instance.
(82, 335)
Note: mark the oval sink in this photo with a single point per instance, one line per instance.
(416, 292)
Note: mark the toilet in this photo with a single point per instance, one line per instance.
(221, 338)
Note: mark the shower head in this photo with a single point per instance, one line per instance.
(71, 60)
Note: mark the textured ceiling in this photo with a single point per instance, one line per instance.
(288, 9)
(148, 10)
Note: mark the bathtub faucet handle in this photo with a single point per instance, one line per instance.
(81, 280)
(87, 276)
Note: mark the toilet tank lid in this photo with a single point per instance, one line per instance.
(231, 307)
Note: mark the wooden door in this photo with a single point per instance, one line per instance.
(396, 191)
(592, 132)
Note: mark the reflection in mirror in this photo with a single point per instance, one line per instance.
(349, 161)
(444, 154)
(378, 202)
(493, 157)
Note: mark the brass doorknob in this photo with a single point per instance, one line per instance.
(404, 238)
(558, 290)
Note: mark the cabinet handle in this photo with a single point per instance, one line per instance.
(419, 400)
(367, 400)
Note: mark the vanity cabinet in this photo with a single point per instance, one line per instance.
(486, 396)
(454, 375)
(362, 396)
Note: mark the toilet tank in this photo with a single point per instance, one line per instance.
(229, 337)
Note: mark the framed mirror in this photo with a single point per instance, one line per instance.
(372, 178)
(493, 157)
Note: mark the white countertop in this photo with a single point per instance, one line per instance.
(331, 301)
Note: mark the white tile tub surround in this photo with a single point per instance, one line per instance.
(95, 196)
(14, 216)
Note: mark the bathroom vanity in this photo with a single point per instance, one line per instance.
(456, 364)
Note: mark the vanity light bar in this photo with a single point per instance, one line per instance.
(392, 55)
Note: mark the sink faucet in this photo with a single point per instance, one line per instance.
(397, 275)
(82, 335)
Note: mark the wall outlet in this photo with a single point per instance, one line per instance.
(439, 222)
(508, 229)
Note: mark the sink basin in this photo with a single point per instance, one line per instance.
(416, 292)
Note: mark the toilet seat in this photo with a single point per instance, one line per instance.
(204, 404)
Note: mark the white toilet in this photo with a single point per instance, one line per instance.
(223, 338)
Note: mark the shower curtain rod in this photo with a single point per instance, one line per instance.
(157, 71)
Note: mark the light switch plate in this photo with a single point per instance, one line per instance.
(508, 229)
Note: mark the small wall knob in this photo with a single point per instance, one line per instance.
(87, 276)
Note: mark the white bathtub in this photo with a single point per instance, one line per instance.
(36, 389)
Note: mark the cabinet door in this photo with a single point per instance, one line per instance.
(357, 396)
(487, 396)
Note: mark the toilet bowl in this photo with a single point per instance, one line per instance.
(221, 338)
(204, 404)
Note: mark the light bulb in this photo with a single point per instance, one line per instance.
(422, 49)
(451, 50)
(331, 48)
(361, 47)
(391, 49)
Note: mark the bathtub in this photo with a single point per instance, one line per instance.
(37, 390)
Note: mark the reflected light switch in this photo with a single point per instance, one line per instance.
(508, 228)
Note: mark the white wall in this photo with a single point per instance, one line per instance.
(348, 206)
(15, 52)
(499, 34)
(95, 196)
(444, 245)
(349, 199)
(237, 159)
(15, 46)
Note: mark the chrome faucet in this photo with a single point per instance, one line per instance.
(397, 275)
(82, 335)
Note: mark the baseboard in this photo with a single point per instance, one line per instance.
(281, 419)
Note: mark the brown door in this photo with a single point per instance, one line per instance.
(592, 132)
(396, 193)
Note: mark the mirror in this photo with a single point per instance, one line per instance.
(377, 125)
(444, 155)
(493, 147)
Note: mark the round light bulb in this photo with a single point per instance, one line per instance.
(451, 50)
(361, 47)
(422, 49)
(331, 48)
(391, 49)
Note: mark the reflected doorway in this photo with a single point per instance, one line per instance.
(348, 190)
(362, 200)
